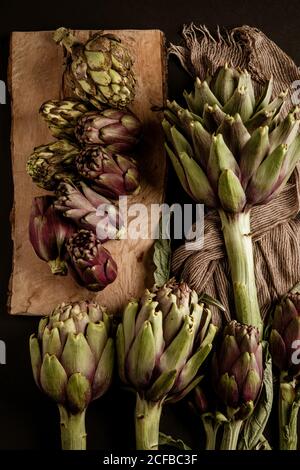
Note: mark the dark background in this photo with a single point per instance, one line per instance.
(27, 419)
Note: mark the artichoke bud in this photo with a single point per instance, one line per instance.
(157, 339)
(71, 352)
(62, 116)
(220, 159)
(52, 163)
(90, 263)
(285, 335)
(263, 182)
(115, 130)
(177, 165)
(266, 95)
(99, 71)
(237, 368)
(230, 191)
(48, 233)
(90, 210)
(114, 174)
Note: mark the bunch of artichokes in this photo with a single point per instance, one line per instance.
(95, 126)
(72, 360)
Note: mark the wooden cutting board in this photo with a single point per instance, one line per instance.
(36, 66)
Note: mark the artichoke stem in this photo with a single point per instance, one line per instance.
(288, 417)
(72, 428)
(239, 248)
(231, 434)
(147, 419)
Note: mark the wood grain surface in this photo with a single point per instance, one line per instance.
(36, 66)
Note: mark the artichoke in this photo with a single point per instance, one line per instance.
(115, 130)
(161, 343)
(90, 210)
(237, 369)
(100, 70)
(62, 116)
(50, 164)
(72, 362)
(231, 150)
(90, 263)
(285, 335)
(48, 232)
(113, 174)
(285, 351)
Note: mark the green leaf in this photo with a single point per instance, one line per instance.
(165, 440)
(162, 258)
(255, 425)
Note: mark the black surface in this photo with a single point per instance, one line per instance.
(27, 419)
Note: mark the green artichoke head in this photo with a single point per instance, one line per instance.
(72, 354)
(230, 148)
(163, 340)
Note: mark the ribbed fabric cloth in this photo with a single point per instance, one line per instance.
(275, 226)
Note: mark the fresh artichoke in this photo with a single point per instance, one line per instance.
(237, 369)
(90, 263)
(230, 149)
(62, 116)
(113, 175)
(285, 336)
(72, 362)
(50, 164)
(161, 343)
(48, 232)
(285, 351)
(100, 70)
(90, 210)
(113, 129)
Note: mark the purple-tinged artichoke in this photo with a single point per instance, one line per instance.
(90, 210)
(285, 335)
(162, 341)
(72, 360)
(115, 130)
(113, 174)
(48, 232)
(52, 163)
(62, 116)
(285, 350)
(90, 263)
(237, 369)
(100, 71)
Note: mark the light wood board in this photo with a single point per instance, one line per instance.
(36, 66)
